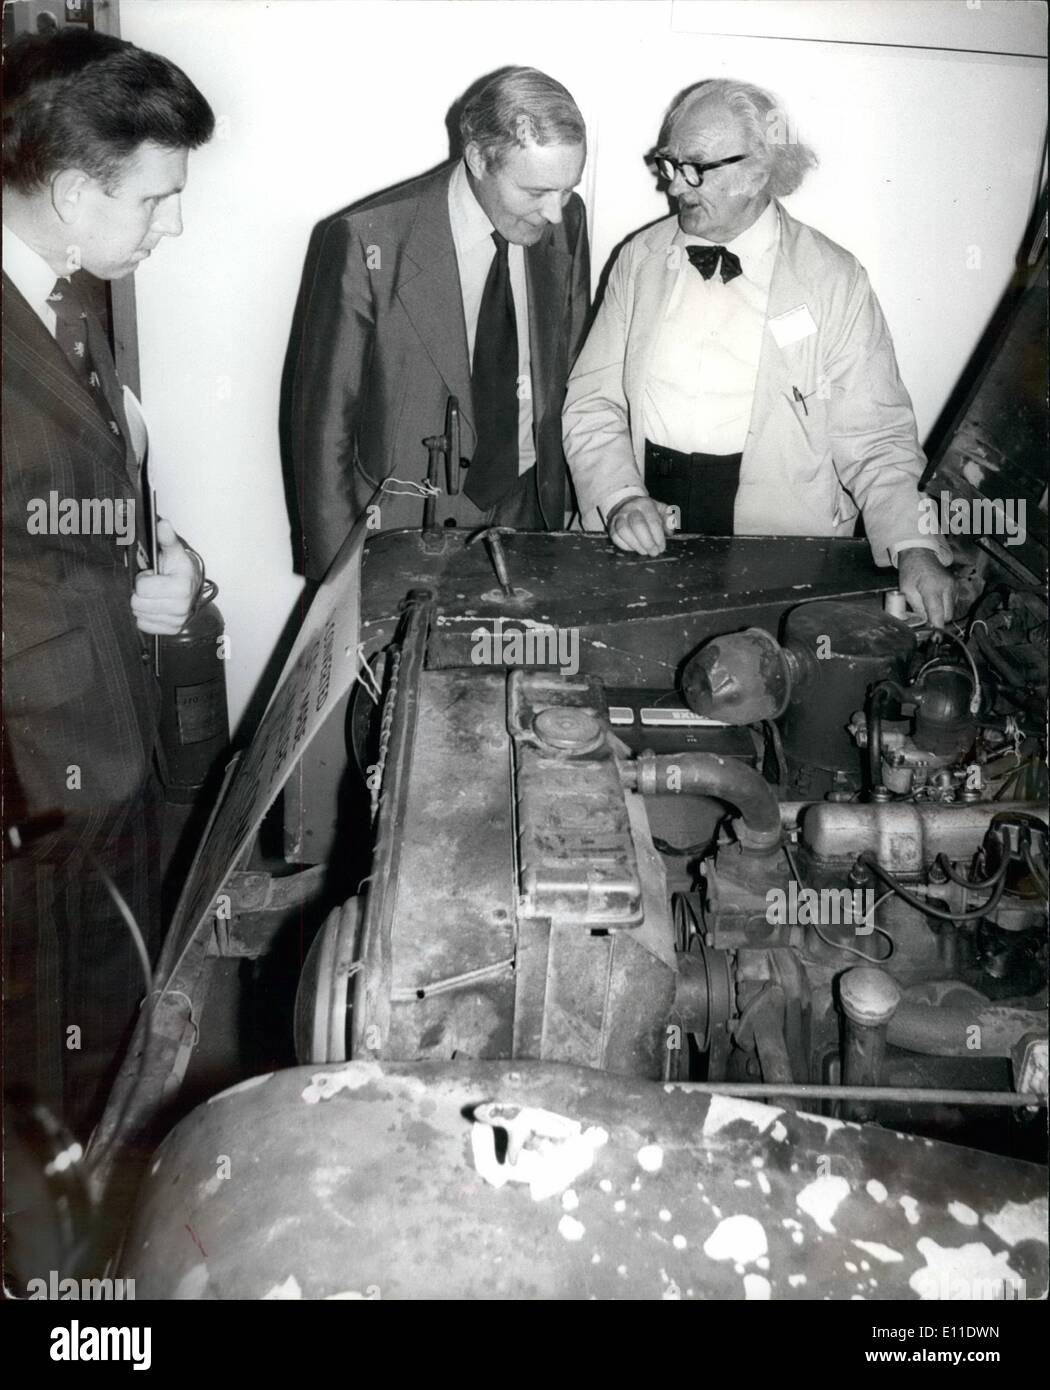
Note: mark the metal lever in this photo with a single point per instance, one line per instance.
(436, 445)
(452, 453)
(492, 536)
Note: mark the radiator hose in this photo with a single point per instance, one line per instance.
(707, 774)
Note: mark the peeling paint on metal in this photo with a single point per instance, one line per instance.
(569, 1200)
(911, 1209)
(679, 1242)
(885, 1253)
(738, 1238)
(724, 1110)
(288, 1290)
(324, 1085)
(764, 1184)
(821, 1199)
(571, 1229)
(651, 1158)
(965, 1215)
(1018, 1221)
(757, 1288)
(955, 1272)
(830, 1124)
(876, 1190)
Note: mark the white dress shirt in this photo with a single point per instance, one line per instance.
(475, 252)
(704, 365)
(31, 276)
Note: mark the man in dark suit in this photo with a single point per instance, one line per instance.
(472, 281)
(96, 139)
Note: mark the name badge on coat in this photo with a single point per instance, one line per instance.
(793, 326)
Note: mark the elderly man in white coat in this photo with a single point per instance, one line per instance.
(740, 369)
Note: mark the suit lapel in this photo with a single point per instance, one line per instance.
(48, 376)
(654, 282)
(431, 296)
(547, 279)
(781, 369)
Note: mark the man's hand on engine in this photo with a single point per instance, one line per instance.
(927, 585)
(640, 524)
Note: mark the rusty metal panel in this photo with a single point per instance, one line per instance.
(362, 1180)
(458, 813)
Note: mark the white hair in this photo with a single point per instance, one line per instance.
(765, 122)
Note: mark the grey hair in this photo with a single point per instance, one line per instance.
(765, 123)
(517, 107)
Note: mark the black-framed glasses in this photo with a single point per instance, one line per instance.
(693, 174)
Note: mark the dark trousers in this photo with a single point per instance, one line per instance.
(702, 486)
(72, 977)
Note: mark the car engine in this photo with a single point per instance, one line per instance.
(815, 866)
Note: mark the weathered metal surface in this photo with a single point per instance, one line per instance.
(361, 1181)
(637, 619)
(577, 861)
(457, 825)
(375, 983)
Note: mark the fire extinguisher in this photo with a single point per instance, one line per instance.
(194, 719)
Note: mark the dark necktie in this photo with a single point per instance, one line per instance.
(705, 259)
(82, 340)
(493, 470)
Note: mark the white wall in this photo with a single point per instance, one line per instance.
(930, 159)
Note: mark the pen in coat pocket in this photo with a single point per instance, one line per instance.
(800, 398)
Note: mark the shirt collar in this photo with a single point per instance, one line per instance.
(752, 242)
(470, 221)
(29, 272)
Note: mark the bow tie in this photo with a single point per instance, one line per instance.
(705, 259)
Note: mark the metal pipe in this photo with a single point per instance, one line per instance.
(707, 774)
(905, 1095)
(869, 999)
(875, 702)
(938, 1031)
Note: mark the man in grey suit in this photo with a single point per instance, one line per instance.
(740, 369)
(96, 141)
(471, 281)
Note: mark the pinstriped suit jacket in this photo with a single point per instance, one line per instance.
(79, 687)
